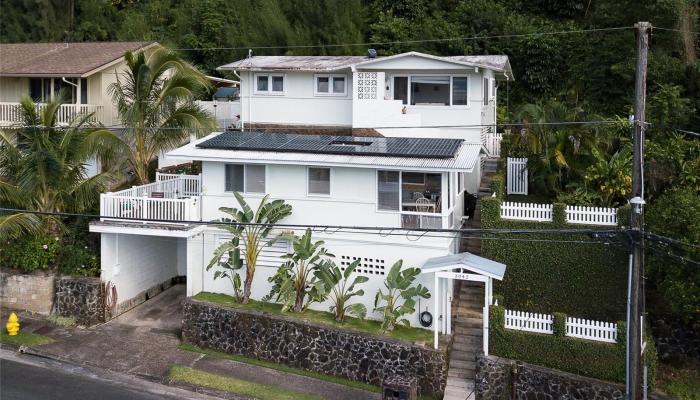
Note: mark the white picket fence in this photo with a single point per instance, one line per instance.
(529, 322)
(591, 215)
(575, 327)
(526, 211)
(574, 214)
(516, 178)
(492, 142)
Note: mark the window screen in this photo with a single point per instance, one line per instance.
(320, 181)
(430, 90)
(278, 84)
(460, 90)
(234, 178)
(262, 83)
(401, 89)
(486, 91)
(388, 190)
(322, 84)
(339, 84)
(255, 179)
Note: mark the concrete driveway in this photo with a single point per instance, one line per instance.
(140, 341)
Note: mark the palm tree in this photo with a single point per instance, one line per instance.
(251, 229)
(155, 102)
(43, 168)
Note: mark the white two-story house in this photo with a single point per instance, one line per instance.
(393, 144)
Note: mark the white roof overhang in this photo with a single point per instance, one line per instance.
(464, 160)
(468, 261)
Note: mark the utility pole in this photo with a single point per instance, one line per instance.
(635, 302)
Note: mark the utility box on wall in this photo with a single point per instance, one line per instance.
(400, 388)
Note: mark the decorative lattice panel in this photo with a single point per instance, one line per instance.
(368, 266)
(367, 85)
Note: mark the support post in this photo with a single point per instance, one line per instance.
(437, 311)
(485, 336)
(636, 302)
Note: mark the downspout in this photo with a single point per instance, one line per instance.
(75, 85)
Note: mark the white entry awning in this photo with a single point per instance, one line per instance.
(468, 261)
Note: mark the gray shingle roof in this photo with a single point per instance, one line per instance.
(61, 59)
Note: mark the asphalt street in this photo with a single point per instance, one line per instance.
(31, 378)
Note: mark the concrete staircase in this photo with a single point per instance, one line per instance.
(467, 309)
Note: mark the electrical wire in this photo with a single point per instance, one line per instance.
(458, 38)
(653, 28)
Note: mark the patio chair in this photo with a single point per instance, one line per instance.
(424, 205)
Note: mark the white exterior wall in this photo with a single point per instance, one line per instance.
(381, 256)
(353, 199)
(135, 263)
(297, 105)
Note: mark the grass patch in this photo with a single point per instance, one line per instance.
(326, 318)
(24, 339)
(64, 322)
(681, 383)
(280, 367)
(232, 385)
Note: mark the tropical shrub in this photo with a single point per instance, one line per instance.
(294, 284)
(399, 297)
(341, 289)
(77, 259)
(674, 281)
(30, 253)
(252, 229)
(611, 176)
(232, 252)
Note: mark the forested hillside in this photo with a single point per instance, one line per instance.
(591, 70)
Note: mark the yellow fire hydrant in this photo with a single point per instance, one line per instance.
(12, 325)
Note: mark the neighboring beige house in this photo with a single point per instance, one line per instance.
(83, 70)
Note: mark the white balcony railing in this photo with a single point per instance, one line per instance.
(10, 113)
(172, 198)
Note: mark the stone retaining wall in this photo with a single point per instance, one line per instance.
(30, 292)
(496, 378)
(314, 347)
(80, 298)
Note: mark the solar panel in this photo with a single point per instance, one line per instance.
(341, 145)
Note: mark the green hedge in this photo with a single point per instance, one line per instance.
(586, 280)
(599, 360)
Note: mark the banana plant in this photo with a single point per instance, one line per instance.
(294, 284)
(232, 252)
(399, 299)
(341, 289)
(250, 230)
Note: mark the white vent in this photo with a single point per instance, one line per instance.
(367, 85)
(269, 257)
(368, 266)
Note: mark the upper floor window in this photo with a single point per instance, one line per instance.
(320, 181)
(248, 178)
(265, 83)
(486, 91)
(330, 85)
(432, 90)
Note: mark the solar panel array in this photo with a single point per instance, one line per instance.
(328, 144)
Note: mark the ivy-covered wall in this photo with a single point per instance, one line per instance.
(556, 272)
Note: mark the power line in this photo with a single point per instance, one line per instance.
(301, 128)
(675, 30)
(458, 38)
(382, 231)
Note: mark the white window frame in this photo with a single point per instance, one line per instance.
(269, 90)
(245, 173)
(330, 85)
(451, 76)
(330, 182)
(443, 212)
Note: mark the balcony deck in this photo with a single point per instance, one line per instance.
(10, 114)
(171, 199)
